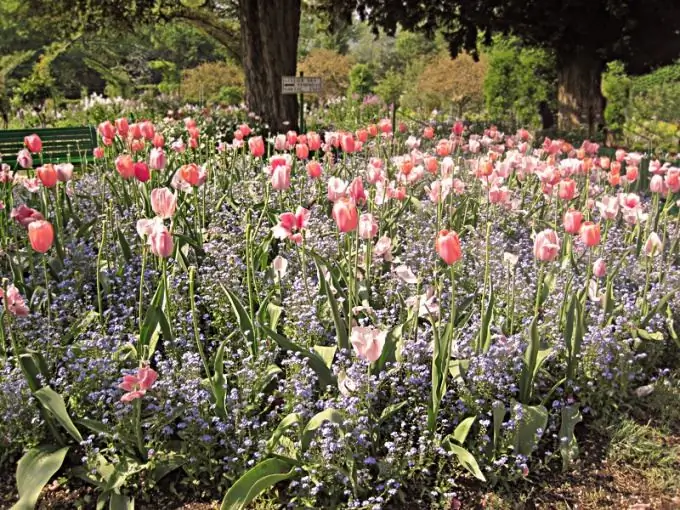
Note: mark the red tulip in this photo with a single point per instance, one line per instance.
(41, 235)
(458, 128)
(447, 245)
(33, 143)
(428, 132)
(142, 171)
(345, 215)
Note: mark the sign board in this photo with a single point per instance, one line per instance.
(301, 84)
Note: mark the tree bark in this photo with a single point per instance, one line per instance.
(269, 38)
(579, 98)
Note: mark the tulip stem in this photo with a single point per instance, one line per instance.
(194, 320)
(138, 428)
(141, 288)
(100, 306)
(47, 290)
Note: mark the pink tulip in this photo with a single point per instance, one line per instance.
(356, 190)
(245, 129)
(281, 178)
(428, 132)
(567, 189)
(98, 152)
(64, 171)
(160, 241)
(25, 215)
(368, 342)
(136, 386)
(280, 142)
(47, 175)
(163, 202)
(290, 223)
(590, 233)
(178, 146)
(125, 166)
(256, 146)
(314, 169)
(653, 246)
(547, 245)
(572, 221)
(657, 185)
(345, 215)
(336, 188)
(302, 151)
(107, 130)
(41, 235)
(157, 159)
(368, 226)
(632, 173)
(15, 302)
(673, 179)
(314, 141)
(189, 123)
(447, 246)
(158, 141)
(33, 143)
(25, 159)
(599, 268)
(122, 127)
(609, 207)
(347, 143)
(147, 129)
(383, 249)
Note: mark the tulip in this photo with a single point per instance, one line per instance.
(653, 246)
(142, 172)
(125, 166)
(122, 127)
(193, 143)
(458, 128)
(345, 215)
(281, 178)
(238, 135)
(280, 266)
(189, 123)
(447, 246)
(673, 179)
(245, 129)
(163, 202)
(546, 245)
(372, 130)
(41, 235)
(314, 141)
(107, 130)
(135, 131)
(47, 175)
(291, 138)
(160, 241)
(256, 146)
(428, 132)
(590, 234)
(157, 159)
(347, 143)
(137, 145)
(356, 190)
(158, 141)
(98, 152)
(24, 159)
(385, 126)
(64, 172)
(657, 185)
(567, 189)
(147, 129)
(178, 146)
(314, 169)
(431, 165)
(368, 226)
(572, 221)
(190, 174)
(302, 151)
(136, 386)
(368, 342)
(33, 143)
(14, 301)
(383, 249)
(336, 188)
(599, 268)
(362, 135)
(25, 215)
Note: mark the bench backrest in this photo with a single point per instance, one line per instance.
(59, 144)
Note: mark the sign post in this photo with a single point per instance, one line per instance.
(301, 85)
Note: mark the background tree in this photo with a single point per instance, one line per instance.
(333, 67)
(583, 36)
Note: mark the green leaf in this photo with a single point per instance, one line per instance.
(317, 420)
(124, 246)
(441, 359)
(274, 312)
(218, 380)
(390, 411)
(498, 411)
(340, 326)
(657, 336)
(571, 415)
(466, 459)
(458, 370)
(318, 364)
(327, 353)
(292, 420)
(533, 418)
(151, 325)
(534, 357)
(95, 426)
(120, 502)
(461, 432)
(263, 476)
(34, 470)
(393, 342)
(54, 402)
(244, 320)
(485, 331)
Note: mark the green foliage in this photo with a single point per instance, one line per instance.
(518, 80)
(361, 80)
(616, 90)
(391, 87)
(333, 67)
(205, 82)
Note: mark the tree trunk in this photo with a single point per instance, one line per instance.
(269, 38)
(579, 98)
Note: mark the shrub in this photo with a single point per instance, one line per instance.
(204, 83)
(332, 67)
(361, 80)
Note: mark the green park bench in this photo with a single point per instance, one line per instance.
(60, 145)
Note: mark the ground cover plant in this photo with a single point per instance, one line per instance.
(367, 319)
